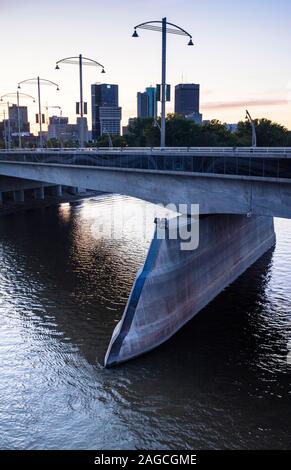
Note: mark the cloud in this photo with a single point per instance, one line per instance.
(244, 104)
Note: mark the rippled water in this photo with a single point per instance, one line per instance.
(222, 382)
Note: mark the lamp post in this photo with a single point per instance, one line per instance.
(6, 138)
(254, 133)
(80, 60)
(165, 28)
(8, 127)
(39, 81)
(17, 94)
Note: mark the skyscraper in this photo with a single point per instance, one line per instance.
(187, 99)
(21, 112)
(106, 114)
(147, 103)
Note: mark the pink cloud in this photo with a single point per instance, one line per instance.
(244, 104)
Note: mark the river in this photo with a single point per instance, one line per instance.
(223, 382)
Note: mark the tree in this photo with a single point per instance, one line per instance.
(269, 134)
(117, 141)
(216, 134)
(52, 143)
(142, 133)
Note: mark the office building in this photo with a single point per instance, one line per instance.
(106, 114)
(142, 105)
(20, 113)
(60, 129)
(187, 99)
(147, 103)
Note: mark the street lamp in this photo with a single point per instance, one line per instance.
(254, 134)
(39, 81)
(80, 60)
(165, 28)
(17, 94)
(7, 138)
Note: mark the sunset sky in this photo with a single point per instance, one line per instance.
(241, 56)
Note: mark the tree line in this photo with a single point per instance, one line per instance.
(181, 132)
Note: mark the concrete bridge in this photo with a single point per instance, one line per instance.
(220, 180)
(239, 191)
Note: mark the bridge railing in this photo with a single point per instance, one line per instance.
(160, 150)
(263, 165)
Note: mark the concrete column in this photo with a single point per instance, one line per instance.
(1, 199)
(39, 193)
(77, 190)
(57, 191)
(18, 195)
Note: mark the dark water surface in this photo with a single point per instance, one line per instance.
(222, 382)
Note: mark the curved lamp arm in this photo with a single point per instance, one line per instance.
(10, 95)
(75, 61)
(153, 26)
(43, 81)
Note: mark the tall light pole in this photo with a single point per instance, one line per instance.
(39, 81)
(165, 28)
(80, 60)
(17, 94)
(254, 133)
(6, 138)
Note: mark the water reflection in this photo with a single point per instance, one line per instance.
(221, 382)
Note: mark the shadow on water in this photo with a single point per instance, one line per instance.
(220, 382)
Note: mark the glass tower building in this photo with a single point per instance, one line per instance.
(106, 114)
(147, 103)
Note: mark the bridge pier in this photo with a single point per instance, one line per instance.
(174, 285)
(57, 191)
(77, 190)
(18, 195)
(39, 193)
(1, 199)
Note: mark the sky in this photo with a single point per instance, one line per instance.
(241, 57)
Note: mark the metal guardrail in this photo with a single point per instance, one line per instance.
(159, 150)
(262, 165)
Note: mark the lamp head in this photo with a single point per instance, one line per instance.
(57, 67)
(58, 88)
(103, 71)
(135, 35)
(19, 87)
(190, 43)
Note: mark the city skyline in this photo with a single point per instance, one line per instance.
(228, 59)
